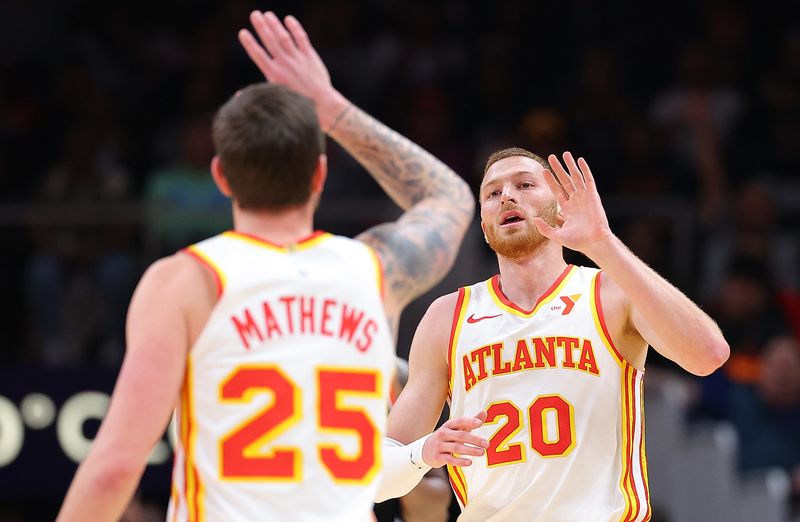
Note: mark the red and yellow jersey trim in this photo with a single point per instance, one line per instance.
(302, 244)
(192, 487)
(504, 303)
(642, 454)
(378, 272)
(633, 425)
(458, 483)
(455, 330)
(600, 322)
(219, 275)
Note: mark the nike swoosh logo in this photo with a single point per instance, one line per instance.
(472, 319)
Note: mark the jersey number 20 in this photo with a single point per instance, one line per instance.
(501, 452)
(242, 451)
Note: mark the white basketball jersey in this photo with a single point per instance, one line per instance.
(565, 423)
(284, 402)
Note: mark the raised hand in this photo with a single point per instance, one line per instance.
(285, 56)
(584, 220)
(455, 437)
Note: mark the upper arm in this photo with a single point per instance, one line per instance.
(418, 249)
(621, 319)
(419, 406)
(158, 337)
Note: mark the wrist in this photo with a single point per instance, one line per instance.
(329, 106)
(602, 248)
(416, 453)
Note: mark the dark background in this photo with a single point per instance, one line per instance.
(687, 112)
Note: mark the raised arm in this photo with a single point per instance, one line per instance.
(646, 308)
(419, 248)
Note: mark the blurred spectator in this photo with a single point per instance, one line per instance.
(81, 276)
(183, 203)
(749, 313)
(767, 413)
(751, 230)
(699, 114)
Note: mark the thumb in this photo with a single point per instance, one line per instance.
(544, 228)
(481, 416)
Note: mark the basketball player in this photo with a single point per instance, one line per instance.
(551, 356)
(274, 341)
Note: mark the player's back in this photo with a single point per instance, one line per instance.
(283, 404)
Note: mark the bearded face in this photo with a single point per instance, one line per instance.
(516, 237)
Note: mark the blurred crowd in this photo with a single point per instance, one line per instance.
(688, 113)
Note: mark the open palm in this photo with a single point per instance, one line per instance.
(585, 221)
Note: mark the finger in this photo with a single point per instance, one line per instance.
(556, 188)
(481, 415)
(299, 35)
(456, 461)
(256, 52)
(544, 228)
(561, 174)
(282, 36)
(574, 173)
(587, 174)
(265, 34)
(460, 449)
(463, 423)
(464, 437)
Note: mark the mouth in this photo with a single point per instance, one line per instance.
(509, 218)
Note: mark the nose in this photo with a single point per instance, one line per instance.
(508, 195)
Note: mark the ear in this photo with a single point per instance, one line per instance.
(219, 177)
(320, 175)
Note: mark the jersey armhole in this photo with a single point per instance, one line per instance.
(600, 321)
(205, 261)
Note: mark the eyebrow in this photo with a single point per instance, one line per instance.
(516, 173)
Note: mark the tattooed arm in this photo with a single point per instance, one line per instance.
(418, 249)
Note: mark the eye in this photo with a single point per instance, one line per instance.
(492, 193)
(526, 185)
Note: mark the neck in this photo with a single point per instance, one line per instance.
(281, 227)
(525, 279)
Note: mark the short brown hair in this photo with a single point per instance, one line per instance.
(268, 141)
(513, 151)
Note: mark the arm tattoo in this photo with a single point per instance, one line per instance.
(418, 249)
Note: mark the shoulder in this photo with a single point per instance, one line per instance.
(179, 278)
(443, 308)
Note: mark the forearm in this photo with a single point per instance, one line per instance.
(102, 489)
(670, 321)
(408, 173)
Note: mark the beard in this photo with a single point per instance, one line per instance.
(524, 241)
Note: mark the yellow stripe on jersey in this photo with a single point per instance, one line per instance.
(219, 275)
(599, 321)
(194, 489)
(625, 420)
(642, 454)
(459, 483)
(304, 244)
(312, 241)
(378, 270)
(455, 331)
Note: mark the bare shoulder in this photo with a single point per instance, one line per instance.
(180, 287)
(618, 315)
(179, 276)
(433, 333)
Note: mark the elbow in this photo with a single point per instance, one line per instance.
(716, 353)
(117, 474)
